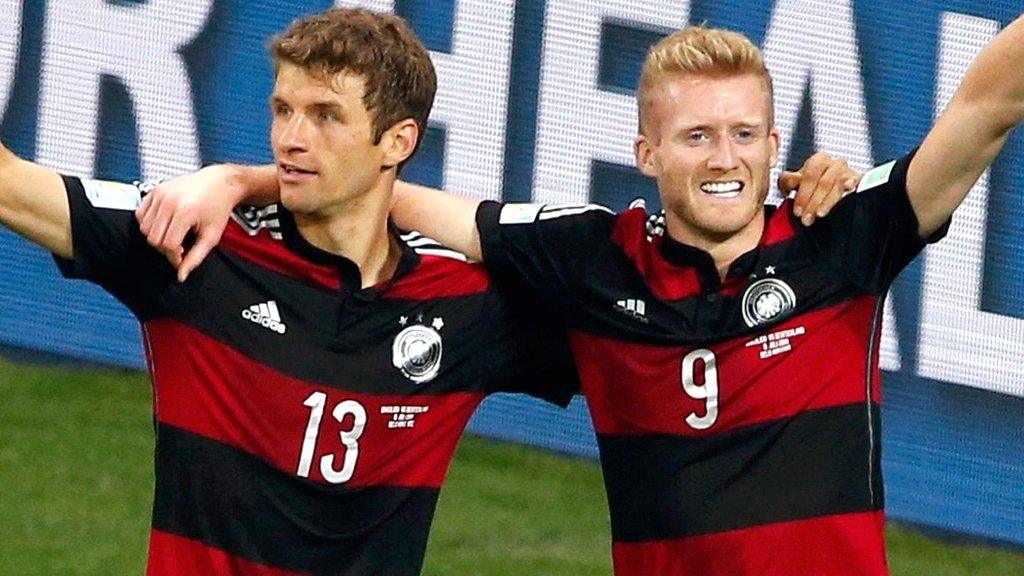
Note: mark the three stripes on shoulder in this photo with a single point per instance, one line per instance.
(429, 247)
(253, 219)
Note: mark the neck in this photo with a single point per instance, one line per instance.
(357, 230)
(724, 248)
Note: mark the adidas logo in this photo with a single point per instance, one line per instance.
(633, 307)
(265, 314)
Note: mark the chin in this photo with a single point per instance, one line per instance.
(297, 202)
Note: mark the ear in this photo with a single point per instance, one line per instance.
(774, 141)
(645, 157)
(399, 142)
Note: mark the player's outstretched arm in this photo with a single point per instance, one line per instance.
(971, 131)
(34, 204)
(201, 202)
(447, 218)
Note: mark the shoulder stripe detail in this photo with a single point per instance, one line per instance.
(549, 213)
(253, 219)
(422, 241)
(443, 252)
(429, 247)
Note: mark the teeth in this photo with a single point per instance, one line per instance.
(721, 187)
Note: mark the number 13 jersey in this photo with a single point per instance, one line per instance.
(305, 424)
(737, 419)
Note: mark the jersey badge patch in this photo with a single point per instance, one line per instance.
(767, 300)
(417, 350)
(876, 176)
(112, 195)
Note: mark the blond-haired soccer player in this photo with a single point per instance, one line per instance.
(730, 357)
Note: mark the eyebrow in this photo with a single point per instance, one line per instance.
(709, 128)
(318, 104)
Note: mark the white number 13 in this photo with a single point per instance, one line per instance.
(707, 392)
(316, 402)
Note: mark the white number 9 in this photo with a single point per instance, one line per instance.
(708, 392)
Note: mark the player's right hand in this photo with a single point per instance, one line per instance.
(200, 202)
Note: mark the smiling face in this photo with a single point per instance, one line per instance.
(322, 137)
(709, 142)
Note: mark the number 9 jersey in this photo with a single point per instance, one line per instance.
(305, 424)
(737, 418)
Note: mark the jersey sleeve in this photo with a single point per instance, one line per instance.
(108, 247)
(872, 235)
(540, 248)
(532, 351)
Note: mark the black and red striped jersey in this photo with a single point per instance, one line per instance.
(304, 425)
(737, 419)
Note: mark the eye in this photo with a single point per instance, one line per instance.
(281, 110)
(696, 137)
(328, 116)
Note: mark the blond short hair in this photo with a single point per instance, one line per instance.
(704, 52)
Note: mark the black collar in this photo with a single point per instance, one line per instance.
(351, 279)
(687, 256)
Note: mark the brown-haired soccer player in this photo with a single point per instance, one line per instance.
(311, 380)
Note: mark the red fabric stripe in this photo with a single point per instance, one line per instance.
(441, 277)
(780, 226)
(667, 281)
(264, 251)
(843, 545)
(634, 388)
(213, 390)
(171, 555)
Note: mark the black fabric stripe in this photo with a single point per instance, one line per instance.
(232, 501)
(346, 342)
(814, 464)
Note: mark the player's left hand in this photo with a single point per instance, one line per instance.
(820, 184)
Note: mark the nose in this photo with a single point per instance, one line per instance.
(291, 134)
(723, 155)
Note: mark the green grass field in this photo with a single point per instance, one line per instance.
(76, 482)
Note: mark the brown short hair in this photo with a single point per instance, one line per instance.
(702, 51)
(400, 78)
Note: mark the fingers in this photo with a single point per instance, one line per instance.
(146, 212)
(160, 216)
(173, 242)
(206, 239)
(827, 192)
(142, 210)
(811, 174)
(788, 182)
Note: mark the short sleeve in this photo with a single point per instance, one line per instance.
(872, 235)
(540, 248)
(532, 352)
(108, 248)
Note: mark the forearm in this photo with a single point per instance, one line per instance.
(447, 218)
(258, 185)
(971, 132)
(33, 203)
(995, 80)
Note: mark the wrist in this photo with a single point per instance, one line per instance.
(234, 179)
